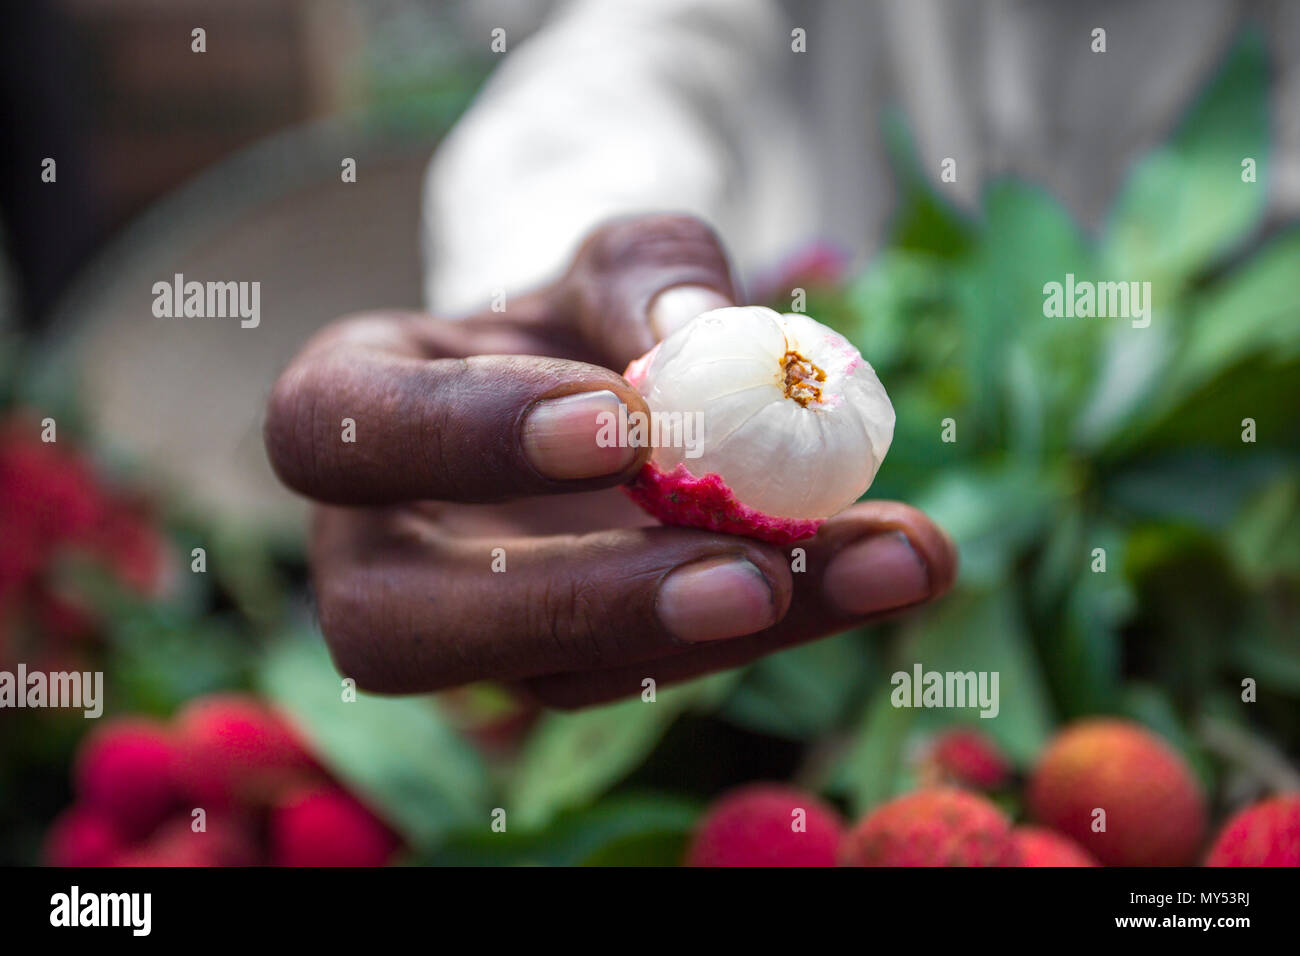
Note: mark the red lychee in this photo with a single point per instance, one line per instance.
(225, 841)
(1040, 846)
(326, 826)
(235, 749)
(967, 758)
(766, 825)
(127, 771)
(82, 837)
(1265, 834)
(1154, 809)
(939, 827)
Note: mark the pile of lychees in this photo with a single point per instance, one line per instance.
(229, 782)
(1104, 792)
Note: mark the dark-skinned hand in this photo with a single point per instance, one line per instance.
(480, 434)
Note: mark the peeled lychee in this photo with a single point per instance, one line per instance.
(763, 424)
(1154, 812)
(1040, 846)
(127, 771)
(82, 837)
(966, 758)
(766, 825)
(326, 826)
(938, 827)
(235, 749)
(1265, 834)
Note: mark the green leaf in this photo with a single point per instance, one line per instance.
(634, 830)
(398, 752)
(1186, 203)
(925, 221)
(993, 513)
(1264, 541)
(1254, 312)
(571, 758)
(802, 692)
(873, 767)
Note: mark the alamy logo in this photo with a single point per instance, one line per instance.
(1102, 300)
(179, 299)
(56, 689)
(946, 689)
(74, 908)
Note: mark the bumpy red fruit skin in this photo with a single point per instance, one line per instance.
(754, 826)
(1266, 834)
(82, 837)
(1040, 846)
(327, 826)
(1155, 812)
(679, 498)
(235, 749)
(939, 827)
(127, 771)
(969, 758)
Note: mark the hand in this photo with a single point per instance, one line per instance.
(480, 434)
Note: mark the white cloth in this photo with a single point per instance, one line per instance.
(624, 106)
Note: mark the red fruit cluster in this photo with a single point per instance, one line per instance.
(264, 798)
(53, 505)
(1105, 791)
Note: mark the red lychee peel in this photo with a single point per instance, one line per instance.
(939, 827)
(326, 826)
(679, 498)
(753, 826)
(1155, 811)
(127, 770)
(1039, 846)
(1265, 834)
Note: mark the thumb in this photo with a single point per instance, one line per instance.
(635, 281)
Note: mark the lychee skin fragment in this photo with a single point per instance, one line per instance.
(791, 424)
(1040, 846)
(127, 771)
(1154, 808)
(939, 827)
(679, 498)
(1265, 834)
(755, 826)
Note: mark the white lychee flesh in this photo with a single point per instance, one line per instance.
(795, 421)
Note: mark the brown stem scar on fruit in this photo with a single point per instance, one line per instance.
(800, 376)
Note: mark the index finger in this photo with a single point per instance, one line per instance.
(369, 414)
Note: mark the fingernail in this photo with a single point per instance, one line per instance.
(562, 436)
(877, 574)
(715, 599)
(673, 308)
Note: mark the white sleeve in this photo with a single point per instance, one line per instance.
(614, 109)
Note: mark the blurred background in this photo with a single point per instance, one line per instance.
(1174, 449)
